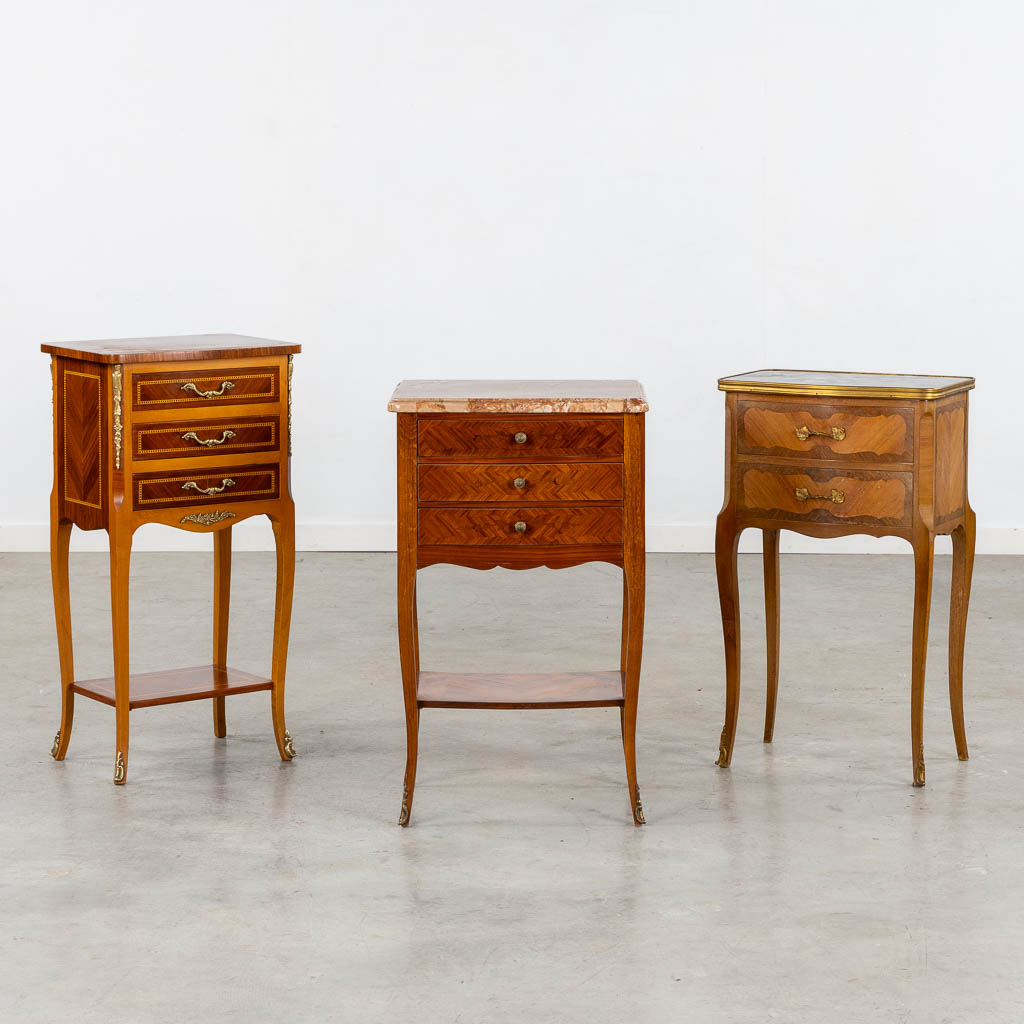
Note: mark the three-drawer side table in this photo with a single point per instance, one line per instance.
(191, 432)
(521, 474)
(831, 454)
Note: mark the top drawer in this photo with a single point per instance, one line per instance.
(831, 432)
(521, 438)
(232, 385)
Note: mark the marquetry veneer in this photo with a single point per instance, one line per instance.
(521, 474)
(831, 454)
(190, 432)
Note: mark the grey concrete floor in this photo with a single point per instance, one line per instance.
(808, 882)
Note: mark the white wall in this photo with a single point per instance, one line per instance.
(671, 191)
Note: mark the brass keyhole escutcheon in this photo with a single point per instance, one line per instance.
(520, 438)
(520, 527)
(519, 483)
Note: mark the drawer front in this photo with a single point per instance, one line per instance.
(203, 487)
(488, 526)
(842, 497)
(521, 437)
(827, 432)
(209, 437)
(491, 482)
(232, 385)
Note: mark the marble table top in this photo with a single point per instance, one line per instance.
(519, 396)
(854, 385)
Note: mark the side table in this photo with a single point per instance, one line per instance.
(831, 454)
(190, 432)
(521, 474)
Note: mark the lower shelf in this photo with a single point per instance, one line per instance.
(173, 685)
(510, 690)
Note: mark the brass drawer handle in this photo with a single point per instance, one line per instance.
(836, 497)
(519, 483)
(519, 438)
(209, 442)
(193, 486)
(520, 527)
(836, 433)
(225, 386)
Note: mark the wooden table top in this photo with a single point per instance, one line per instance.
(170, 349)
(519, 396)
(850, 385)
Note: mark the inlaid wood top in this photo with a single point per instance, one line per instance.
(851, 385)
(519, 396)
(160, 350)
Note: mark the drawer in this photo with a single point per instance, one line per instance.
(232, 385)
(206, 437)
(852, 497)
(544, 481)
(203, 487)
(825, 431)
(519, 437)
(487, 526)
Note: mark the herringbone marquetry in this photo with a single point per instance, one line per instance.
(495, 436)
(82, 398)
(489, 482)
(543, 525)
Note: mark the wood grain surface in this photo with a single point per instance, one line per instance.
(491, 482)
(495, 437)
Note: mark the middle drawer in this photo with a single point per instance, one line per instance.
(208, 437)
(519, 482)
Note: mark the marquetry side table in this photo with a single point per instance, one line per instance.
(521, 474)
(191, 432)
(831, 454)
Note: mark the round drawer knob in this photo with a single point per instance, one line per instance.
(520, 527)
(520, 438)
(519, 483)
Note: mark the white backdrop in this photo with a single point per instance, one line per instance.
(551, 188)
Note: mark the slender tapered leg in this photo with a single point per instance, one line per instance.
(120, 563)
(924, 552)
(963, 570)
(408, 627)
(727, 539)
(60, 543)
(284, 537)
(623, 649)
(771, 625)
(409, 655)
(635, 600)
(221, 604)
(635, 582)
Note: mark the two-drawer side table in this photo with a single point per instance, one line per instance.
(831, 454)
(191, 432)
(521, 474)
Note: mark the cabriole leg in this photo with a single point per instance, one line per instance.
(727, 539)
(221, 603)
(963, 570)
(60, 543)
(771, 624)
(120, 562)
(284, 538)
(924, 551)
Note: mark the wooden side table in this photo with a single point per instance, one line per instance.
(191, 432)
(521, 474)
(831, 454)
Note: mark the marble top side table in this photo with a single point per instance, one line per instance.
(831, 454)
(521, 474)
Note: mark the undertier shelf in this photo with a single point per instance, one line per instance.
(170, 686)
(501, 690)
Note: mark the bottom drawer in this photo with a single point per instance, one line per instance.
(530, 525)
(226, 483)
(845, 497)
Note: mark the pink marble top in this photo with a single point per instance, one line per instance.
(518, 396)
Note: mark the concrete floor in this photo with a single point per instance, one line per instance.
(809, 882)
